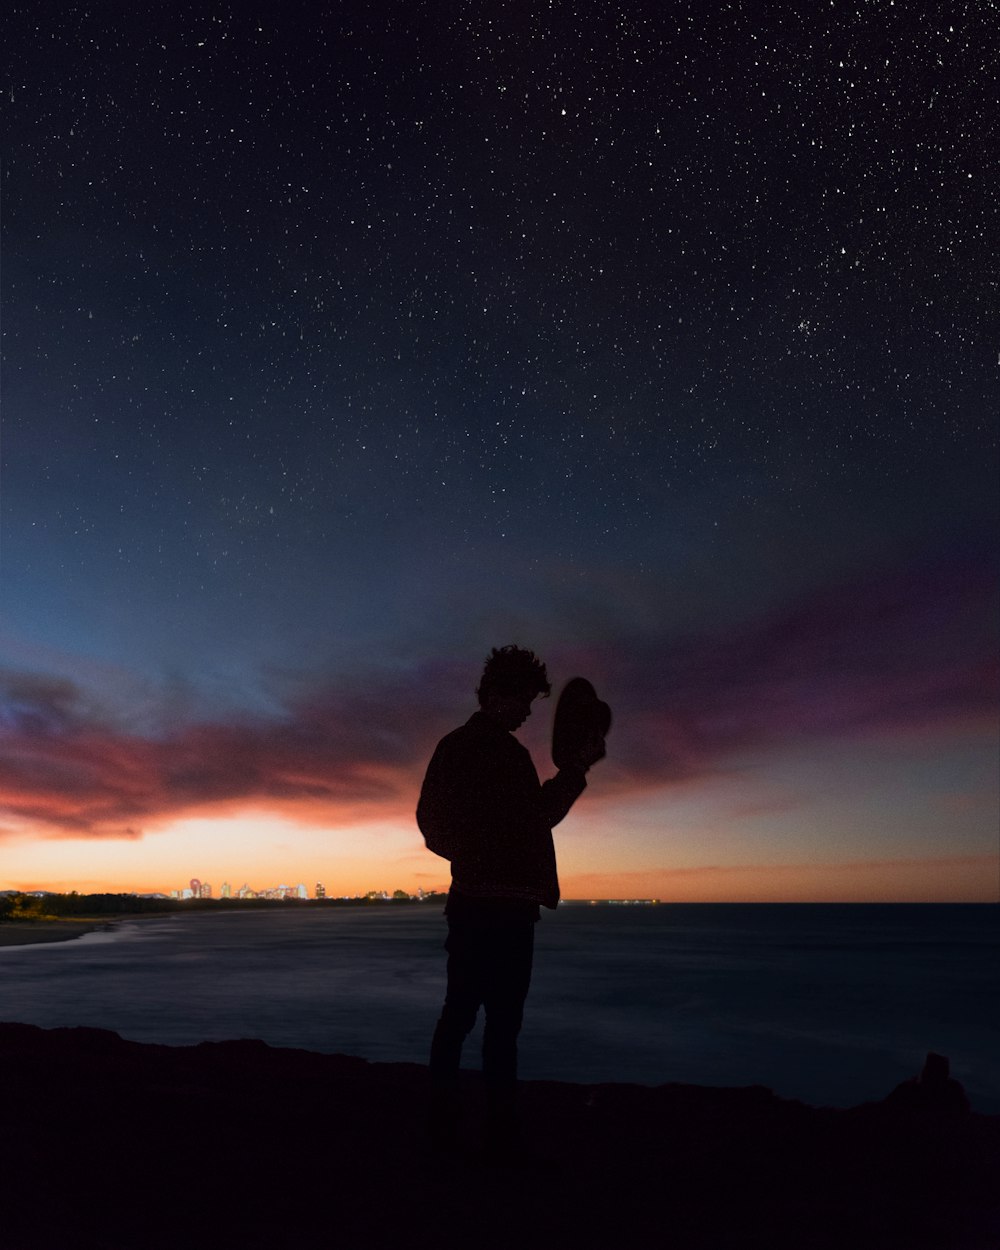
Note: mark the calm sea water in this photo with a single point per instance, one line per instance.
(831, 1004)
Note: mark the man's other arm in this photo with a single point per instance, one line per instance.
(443, 808)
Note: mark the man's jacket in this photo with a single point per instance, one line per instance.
(482, 807)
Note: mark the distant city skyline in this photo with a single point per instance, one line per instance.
(196, 888)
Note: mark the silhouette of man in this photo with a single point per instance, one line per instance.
(482, 807)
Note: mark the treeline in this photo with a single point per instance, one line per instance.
(57, 906)
(28, 907)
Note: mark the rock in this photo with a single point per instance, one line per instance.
(108, 1144)
(931, 1094)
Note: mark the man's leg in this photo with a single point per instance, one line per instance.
(458, 1016)
(507, 982)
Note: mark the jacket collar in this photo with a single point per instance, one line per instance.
(485, 724)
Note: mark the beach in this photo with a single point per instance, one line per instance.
(29, 932)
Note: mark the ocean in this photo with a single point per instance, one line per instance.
(831, 1004)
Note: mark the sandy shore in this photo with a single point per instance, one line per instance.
(28, 932)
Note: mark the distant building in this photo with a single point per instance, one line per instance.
(320, 890)
(195, 888)
(301, 891)
(187, 892)
(226, 890)
(206, 890)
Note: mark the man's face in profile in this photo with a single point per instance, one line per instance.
(510, 709)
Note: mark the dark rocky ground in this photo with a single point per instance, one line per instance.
(112, 1145)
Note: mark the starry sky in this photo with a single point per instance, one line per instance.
(344, 342)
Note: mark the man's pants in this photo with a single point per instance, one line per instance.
(488, 966)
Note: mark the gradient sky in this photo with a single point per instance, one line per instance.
(338, 348)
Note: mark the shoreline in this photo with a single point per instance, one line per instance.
(34, 932)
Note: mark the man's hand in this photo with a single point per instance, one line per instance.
(593, 749)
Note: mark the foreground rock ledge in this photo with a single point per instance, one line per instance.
(115, 1145)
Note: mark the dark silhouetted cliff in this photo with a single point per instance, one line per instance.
(113, 1145)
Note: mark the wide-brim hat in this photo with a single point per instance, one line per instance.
(580, 718)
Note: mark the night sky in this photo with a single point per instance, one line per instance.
(339, 347)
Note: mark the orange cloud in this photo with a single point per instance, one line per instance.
(66, 769)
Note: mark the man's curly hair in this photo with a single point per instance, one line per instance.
(512, 670)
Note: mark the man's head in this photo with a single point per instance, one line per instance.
(511, 679)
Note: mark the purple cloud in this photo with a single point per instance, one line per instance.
(898, 654)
